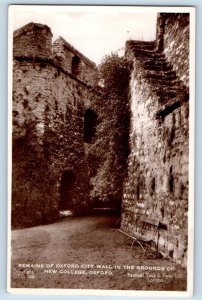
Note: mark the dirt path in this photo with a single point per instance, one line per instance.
(69, 253)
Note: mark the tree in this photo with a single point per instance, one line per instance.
(111, 145)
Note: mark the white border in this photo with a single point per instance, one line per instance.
(108, 9)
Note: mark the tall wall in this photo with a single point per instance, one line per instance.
(157, 182)
(49, 104)
(173, 39)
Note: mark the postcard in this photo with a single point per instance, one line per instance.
(101, 150)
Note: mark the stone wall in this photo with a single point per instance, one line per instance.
(173, 39)
(157, 182)
(73, 61)
(33, 40)
(49, 104)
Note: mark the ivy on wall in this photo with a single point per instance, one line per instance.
(111, 144)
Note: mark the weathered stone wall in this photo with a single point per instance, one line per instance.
(157, 183)
(65, 54)
(33, 40)
(173, 39)
(48, 132)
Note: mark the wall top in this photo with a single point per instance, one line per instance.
(76, 52)
(31, 26)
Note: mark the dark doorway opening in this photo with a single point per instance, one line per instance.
(67, 190)
(90, 123)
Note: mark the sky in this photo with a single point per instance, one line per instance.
(94, 31)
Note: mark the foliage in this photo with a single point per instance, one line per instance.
(111, 145)
(31, 182)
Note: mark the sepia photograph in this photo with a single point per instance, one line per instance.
(101, 150)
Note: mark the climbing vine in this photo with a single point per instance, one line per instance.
(111, 145)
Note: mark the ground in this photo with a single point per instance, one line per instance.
(80, 253)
